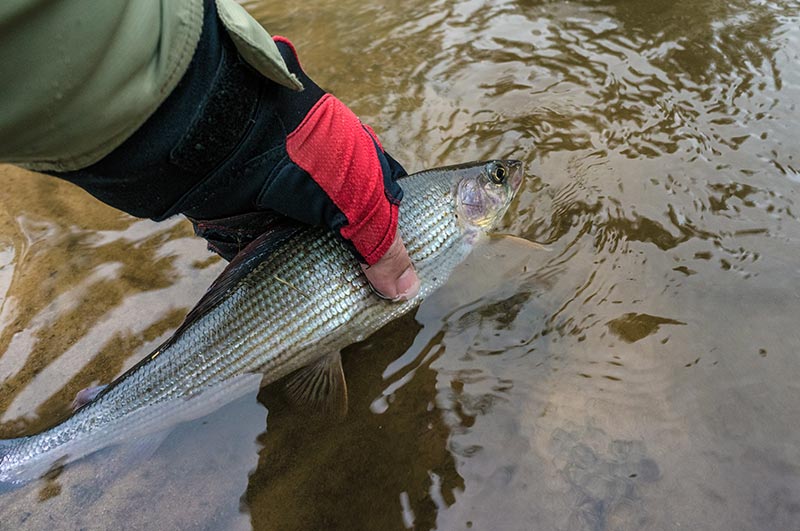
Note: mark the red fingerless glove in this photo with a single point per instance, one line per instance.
(346, 160)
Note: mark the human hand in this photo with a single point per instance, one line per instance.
(329, 144)
(393, 276)
(230, 148)
(324, 167)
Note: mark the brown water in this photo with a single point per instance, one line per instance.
(639, 372)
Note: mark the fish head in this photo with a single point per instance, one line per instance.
(484, 192)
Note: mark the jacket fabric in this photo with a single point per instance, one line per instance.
(79, 77)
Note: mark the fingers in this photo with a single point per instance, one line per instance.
(394, 276)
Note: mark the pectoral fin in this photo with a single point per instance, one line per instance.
(522, 242)
(84, 396)
(320, 386)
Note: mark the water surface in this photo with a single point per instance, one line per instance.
(638, 371)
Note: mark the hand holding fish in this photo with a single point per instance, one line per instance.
(362, 186)
(236, 143)
(285, 306)
(232, 150)
(327, 169)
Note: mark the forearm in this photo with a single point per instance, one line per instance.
(229, 141)
(243, 135)
(192, 132)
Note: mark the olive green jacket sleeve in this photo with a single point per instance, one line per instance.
(78, 77)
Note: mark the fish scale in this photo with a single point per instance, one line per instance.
(304, 300)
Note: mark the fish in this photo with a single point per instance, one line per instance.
(284, 307)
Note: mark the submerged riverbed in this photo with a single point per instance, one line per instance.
(637, 370)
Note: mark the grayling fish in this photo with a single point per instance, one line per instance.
(287, 303)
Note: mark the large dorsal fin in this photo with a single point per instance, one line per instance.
(242, 264)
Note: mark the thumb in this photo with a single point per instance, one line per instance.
(394, 276)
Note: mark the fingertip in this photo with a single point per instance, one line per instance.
(394, 277)
(393, 287)
(408, 284)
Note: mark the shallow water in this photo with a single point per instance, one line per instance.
(639, 371)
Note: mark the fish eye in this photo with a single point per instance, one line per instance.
(498, 173)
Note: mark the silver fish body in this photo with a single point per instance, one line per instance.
(304, 299)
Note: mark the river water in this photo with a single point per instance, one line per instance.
(638, 369)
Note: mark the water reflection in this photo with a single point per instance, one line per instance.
(194, 480)
(638, 373)
(79, 303)
(356, 470)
